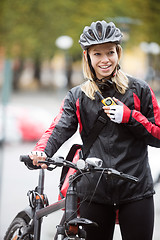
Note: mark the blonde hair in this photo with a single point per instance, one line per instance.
(90, 87)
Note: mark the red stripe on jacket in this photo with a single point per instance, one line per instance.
(153, 129)
(137, 102)
(156, 109)
(78, 115)
(41, 144)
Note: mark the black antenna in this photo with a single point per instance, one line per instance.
(99, 95)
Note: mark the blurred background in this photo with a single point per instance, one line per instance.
(40, 59)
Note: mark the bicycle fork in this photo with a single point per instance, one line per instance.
(70, 213)
(71, 226)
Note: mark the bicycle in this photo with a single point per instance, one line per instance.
(27, 223)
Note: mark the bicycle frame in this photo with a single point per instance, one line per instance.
(70, 226)
(70, 213)
(40, 190)
(35, 215)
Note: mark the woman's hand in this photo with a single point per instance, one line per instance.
(38, 156)
(119, 113)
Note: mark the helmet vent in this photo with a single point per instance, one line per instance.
(108, 30)
(117, 33)
(91, 34)
(83, 38)
(99, 30)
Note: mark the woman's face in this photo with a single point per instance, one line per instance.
(104, 59)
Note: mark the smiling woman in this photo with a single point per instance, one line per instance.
(131, 124)
(104, 59)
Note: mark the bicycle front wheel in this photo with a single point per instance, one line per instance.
(15, 230)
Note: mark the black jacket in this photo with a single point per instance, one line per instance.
(120, 146)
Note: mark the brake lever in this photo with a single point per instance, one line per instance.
(122, 175)
(129, 177)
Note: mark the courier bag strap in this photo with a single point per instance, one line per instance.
(93, 134)
(85, 148)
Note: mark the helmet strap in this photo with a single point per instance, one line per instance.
(90, 66)
(115, 70)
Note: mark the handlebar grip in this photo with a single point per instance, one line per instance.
(29, 163)
(25, 158)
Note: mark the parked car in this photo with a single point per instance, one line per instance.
(23, 123)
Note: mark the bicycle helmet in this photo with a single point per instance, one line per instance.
(100, 32)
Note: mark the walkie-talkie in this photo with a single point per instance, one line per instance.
(106, 101)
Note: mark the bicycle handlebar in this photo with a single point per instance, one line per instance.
(87, 167)
(29, 163)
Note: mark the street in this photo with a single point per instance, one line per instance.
(17, 179)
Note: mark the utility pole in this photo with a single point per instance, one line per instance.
(6, 93)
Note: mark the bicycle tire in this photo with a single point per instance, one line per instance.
(12, 231)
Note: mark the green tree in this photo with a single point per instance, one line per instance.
(30, 28)
(33, 25)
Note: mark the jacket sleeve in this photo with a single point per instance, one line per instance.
(145, 123)
(62, 128)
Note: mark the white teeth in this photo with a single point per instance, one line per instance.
(104, 67)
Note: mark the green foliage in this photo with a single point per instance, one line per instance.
(29, 28)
